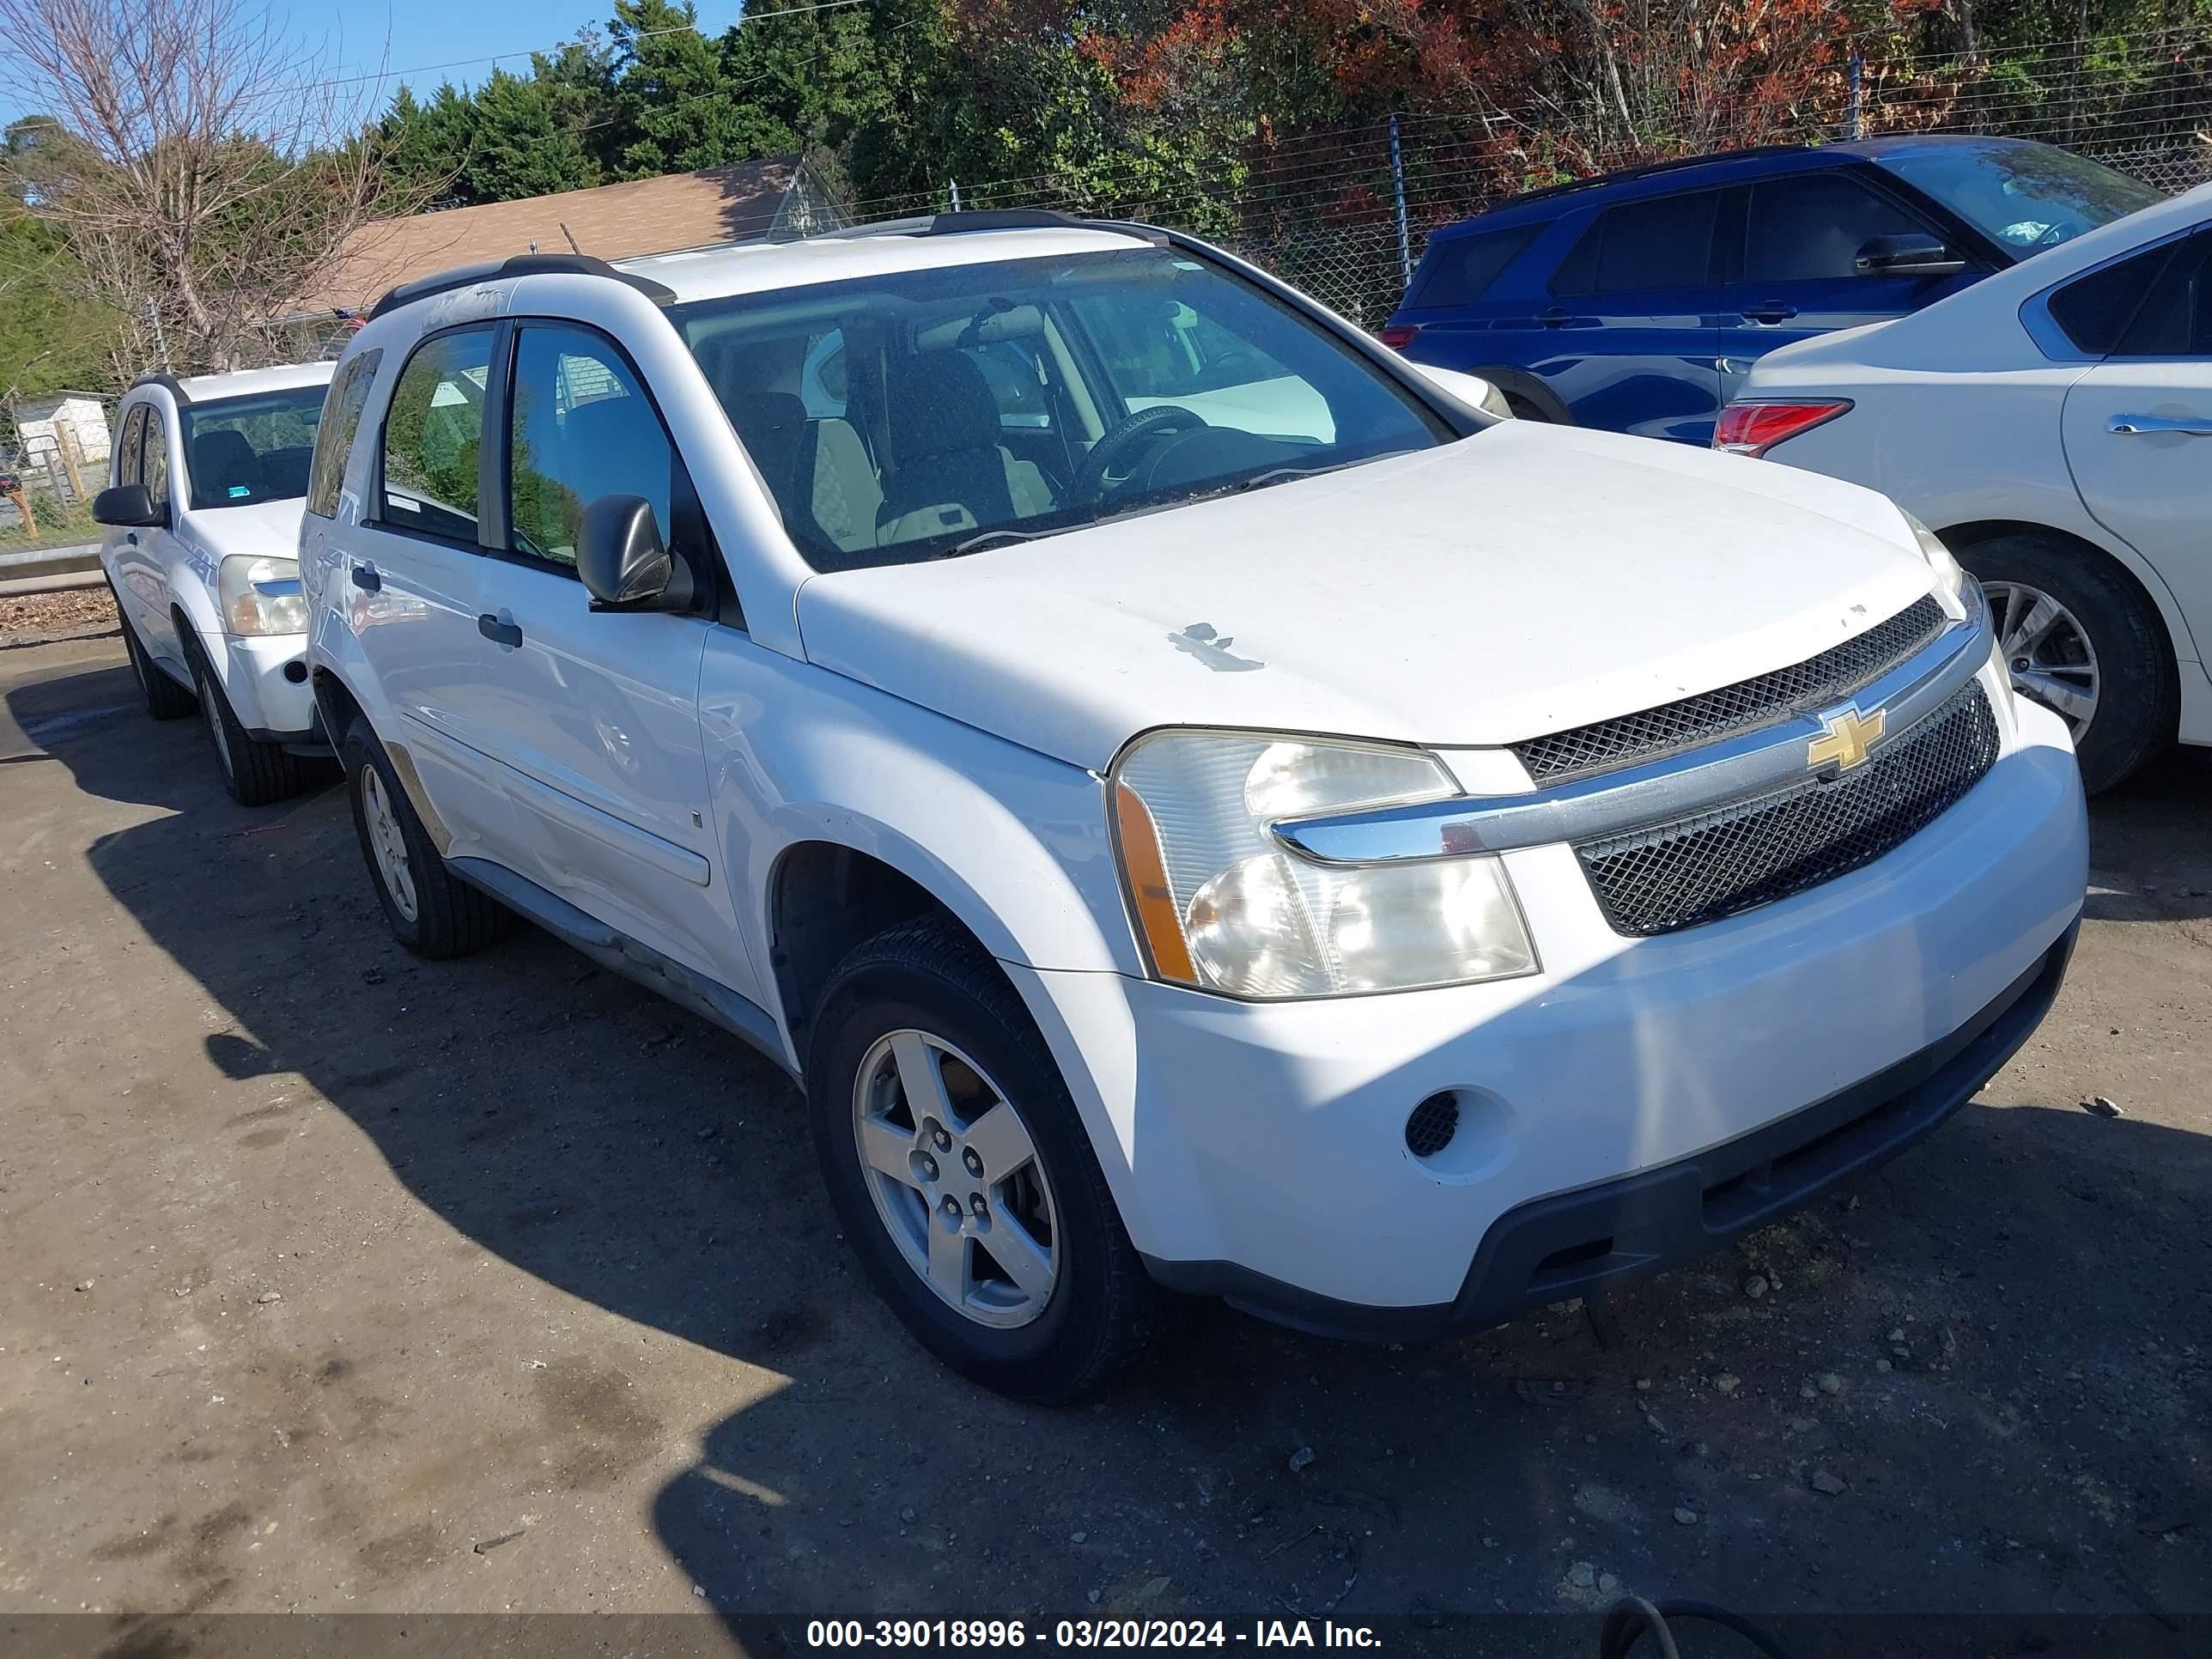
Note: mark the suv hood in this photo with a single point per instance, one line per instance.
(1522, 581)
(265, 529)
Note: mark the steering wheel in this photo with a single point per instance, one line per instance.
(1089, 481)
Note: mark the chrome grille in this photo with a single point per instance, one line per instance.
(1751, 853)
(1813, 684)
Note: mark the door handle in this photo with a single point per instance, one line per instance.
(366, 579)
(1769, 314)
(500, 633)
(2138, 426)
(132, 539)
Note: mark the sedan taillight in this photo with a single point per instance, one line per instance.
(1754, 429)
(1398, 335)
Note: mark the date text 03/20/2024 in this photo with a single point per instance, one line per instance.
(987, 1634)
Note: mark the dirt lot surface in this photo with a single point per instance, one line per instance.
(342, 1282)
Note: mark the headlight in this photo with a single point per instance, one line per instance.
(1948, 573)
(1220, 904)
(261, 596)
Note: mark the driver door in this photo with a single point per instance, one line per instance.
(1794, 261)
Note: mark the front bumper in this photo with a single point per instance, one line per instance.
(265, 677)
(1577, 1243)
(1259, 1150)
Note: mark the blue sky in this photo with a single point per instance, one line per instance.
(409, 36)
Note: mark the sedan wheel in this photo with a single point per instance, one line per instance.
(956, 1179)
(2047, 652)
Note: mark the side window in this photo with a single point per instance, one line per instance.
(1459, 270)
(2095, 310)
(582, 429)
(1810, 229)
(127, 467)
(2175, 320)
(1163, 349)
(153, 458)
(334, 437)
(431, 434)
(1664, 243)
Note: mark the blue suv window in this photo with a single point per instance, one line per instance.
(1811, 227)
(1460, 269)
(1664, 243)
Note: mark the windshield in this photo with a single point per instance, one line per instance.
(2023, 196)
(241, 450)
(921, 413)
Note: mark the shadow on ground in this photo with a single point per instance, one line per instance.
(1995, 1347)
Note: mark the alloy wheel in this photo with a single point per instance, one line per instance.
(387, 843)
(956, 1179)
(2046, 651)
(208, 713)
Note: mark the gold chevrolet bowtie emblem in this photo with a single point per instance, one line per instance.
(1848, 736)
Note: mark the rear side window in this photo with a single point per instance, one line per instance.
(1811, 227)
(1664, 243)
(154, 459)
(1459, 270)
(334, 440)
(2176, 317)
(432, 436)
(2095, 310)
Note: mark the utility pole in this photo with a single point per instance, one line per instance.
(1398, 193)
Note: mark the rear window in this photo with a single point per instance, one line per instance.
(1664, 243)
(1459, 270)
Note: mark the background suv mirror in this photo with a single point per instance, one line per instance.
(128, 506)
(622, 561)
(1913, 255)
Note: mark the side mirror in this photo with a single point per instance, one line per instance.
(128, 506)
(622, 562)
(1910, 255)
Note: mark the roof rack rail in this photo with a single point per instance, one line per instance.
(520, 264)
(955, 224)
(166, 380)
(1647, 169)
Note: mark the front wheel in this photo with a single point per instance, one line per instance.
(963, 1174)
(2078, 639)
(432, 912)
(255, 773)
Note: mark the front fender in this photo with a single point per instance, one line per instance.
(1013, 843)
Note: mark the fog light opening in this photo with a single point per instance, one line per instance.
(1432, 1125)
(296, 672)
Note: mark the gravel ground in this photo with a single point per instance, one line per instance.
(339, 1281)
(38, 617)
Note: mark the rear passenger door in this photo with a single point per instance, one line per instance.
(1792, 245)
(1634, 318)
(129, 552)
(596, 712)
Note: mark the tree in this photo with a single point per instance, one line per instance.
(200, 169)
(53, 335)
(675, 109)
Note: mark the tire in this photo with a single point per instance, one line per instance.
(256, 773)
(928, 978)
(164, 699)
(437, 915)
(2136, 693)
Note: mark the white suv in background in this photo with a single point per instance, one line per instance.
(202, 517)
(1197, 801)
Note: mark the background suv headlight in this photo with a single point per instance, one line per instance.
(261, 596)
(1222, 905)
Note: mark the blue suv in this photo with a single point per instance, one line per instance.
(1639, 302)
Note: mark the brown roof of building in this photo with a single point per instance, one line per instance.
(610, 221)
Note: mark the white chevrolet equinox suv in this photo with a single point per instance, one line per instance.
(1201, 804)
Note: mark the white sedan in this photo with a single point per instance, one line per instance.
(2054, 425)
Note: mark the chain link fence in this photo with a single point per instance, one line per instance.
(54, 458)
(1345, 213)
